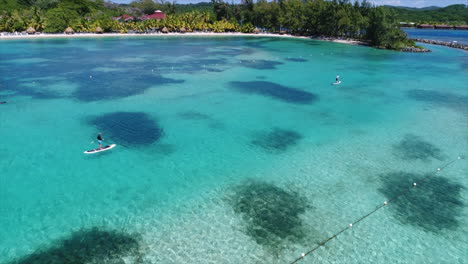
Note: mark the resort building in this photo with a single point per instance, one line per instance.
(158, 14)
(124, 17)
(463, 27)
(443, 27)
(425, 26)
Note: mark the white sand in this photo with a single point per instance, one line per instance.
(87, 35)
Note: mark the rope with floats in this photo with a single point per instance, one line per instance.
(374, 210)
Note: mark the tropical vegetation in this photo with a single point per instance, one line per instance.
(331, 18)
(450, 15)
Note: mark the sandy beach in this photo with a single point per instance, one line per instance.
(200, 34)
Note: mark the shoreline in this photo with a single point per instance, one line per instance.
(201, 34)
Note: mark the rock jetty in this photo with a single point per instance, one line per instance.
(444, 43)
(414, 49)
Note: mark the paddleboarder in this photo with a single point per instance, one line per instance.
(337, 79)
(99, 140)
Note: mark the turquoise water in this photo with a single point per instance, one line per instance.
(230, 150)
(439, 34)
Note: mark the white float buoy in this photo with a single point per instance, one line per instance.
(439, 169)
(303, 255)
(459, 157)
(385, 202)
(350, 225)
(414, 184)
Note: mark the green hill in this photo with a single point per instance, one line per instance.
(454, 14)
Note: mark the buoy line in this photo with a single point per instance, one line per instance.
(375, 210)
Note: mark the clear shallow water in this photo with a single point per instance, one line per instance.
(438, 34)
(230, 150)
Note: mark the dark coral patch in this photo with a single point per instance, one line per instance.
(193, 115)
(296, 59)
(128, 128)
(107, 86)
(277, 140)
(413, 147)
(433, 205)
(86, 247)
(272, 214)
(457, 102)
(276, 91)
(260, 64)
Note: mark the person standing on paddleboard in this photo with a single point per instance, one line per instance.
(337, 78)
(99, 140)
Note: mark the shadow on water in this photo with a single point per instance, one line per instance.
(107, 86)
(91, 246)
(433, 205)
(128, 128)
(276, 91)
(193, 115)
(276, 141)
(260, 64)
(296, 59)
(271, 214)
(413, 147)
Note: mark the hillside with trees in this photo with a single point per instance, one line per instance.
(335, 18)
(451, 15)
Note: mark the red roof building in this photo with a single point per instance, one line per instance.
(425, 26)
(443, 26)
(124, 17)
(158, 14)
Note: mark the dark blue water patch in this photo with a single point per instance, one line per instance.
(21, 88)
(88, 246)
(260, 64)
(412, 147)
(296, 59)
(276, 91)
(232, 52)
(276, 140)
(433, 205)
(457, 102)
(109, 86)
(128, 128)
(192, 65)
(272, 215)
(193, 115)
(214, 70)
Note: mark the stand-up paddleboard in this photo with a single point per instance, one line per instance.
(92, 151)
(335, 83)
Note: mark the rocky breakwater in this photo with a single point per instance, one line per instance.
(415, 49)
(453, 44)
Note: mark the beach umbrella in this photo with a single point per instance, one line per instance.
(256, 31)
(69, 30)
(165, 30)
(30, 31)
(98, 30)
(183, 30)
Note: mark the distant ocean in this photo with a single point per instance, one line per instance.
(438, 34)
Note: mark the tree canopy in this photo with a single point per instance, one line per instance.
(454, 14)
(331, 18)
